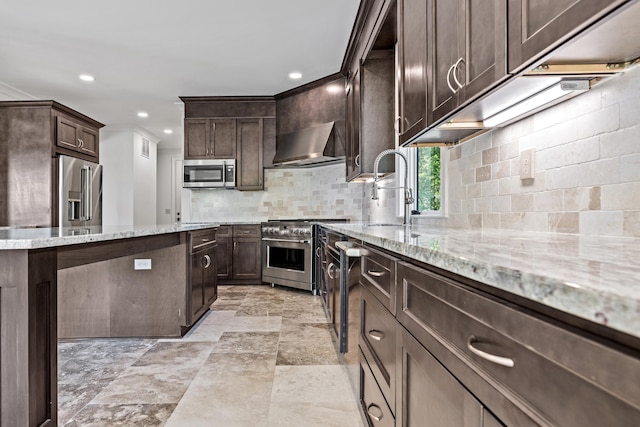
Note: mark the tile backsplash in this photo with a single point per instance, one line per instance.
(319, 192)
(587, 168)
(587, 176)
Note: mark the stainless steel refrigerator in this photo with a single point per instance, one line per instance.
(80, 193)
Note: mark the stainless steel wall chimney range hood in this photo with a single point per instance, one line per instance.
(312, 146)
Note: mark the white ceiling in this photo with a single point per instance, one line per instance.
(144, 54)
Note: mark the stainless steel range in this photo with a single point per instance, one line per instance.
(287, 253)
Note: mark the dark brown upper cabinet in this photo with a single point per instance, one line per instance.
(231, 128)
(370, 108)
(467, 54)
(352, 111)
(32, 135)
(412, 71)
(210, 138)
(537, 27)
(249, 173)
(72, 135)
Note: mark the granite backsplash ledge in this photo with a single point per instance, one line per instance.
(591, 277)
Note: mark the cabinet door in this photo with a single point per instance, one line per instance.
(222, 140)
(412, 44)
(537, 26)
(224, 253)
(196, 139)
(42, 338)
(197, 284)
(430, 395)
(446, 19)
(88, 141)
(485, 55)
(67, 133)
(352, 145)
(249, 174)
(246, 259)
(210, 279)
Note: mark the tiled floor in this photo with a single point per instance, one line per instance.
(262, 357)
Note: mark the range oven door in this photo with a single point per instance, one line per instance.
(287, 263)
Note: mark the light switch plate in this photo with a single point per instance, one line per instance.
(142, 264)
(527, 168)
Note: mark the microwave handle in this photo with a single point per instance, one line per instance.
(224, 174)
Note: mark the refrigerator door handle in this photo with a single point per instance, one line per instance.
(86, 190)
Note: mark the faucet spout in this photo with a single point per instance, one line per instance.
(408, 196)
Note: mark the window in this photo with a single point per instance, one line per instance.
(428, 179)
(429, 183)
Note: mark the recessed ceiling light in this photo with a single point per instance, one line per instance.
(168, 131)
(295, 75)
(143, 114)
(86, 78)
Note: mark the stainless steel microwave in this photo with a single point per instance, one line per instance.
(213, 173)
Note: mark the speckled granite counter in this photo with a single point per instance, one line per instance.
(37, 238)
(592, 277)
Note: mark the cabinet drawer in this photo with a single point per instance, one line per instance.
(375, 407)
(201, 238)
(564, 378)
(378, 274)
(224, 231)
(377, 340)
(246, 231)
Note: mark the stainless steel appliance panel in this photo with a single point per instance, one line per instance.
(287, 262)
(213, 173)
(79, 193)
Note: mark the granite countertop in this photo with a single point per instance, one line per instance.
(592, 277)
(37, 238)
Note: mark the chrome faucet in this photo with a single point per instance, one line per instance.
(408, 196)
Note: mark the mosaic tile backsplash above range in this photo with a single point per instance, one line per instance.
(319, 192)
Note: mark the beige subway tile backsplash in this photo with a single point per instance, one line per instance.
(587, 167)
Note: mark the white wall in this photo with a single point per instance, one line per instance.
(129, 180)
(117, 177)
(166, 194)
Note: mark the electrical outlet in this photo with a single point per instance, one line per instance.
(142, 264)
(527, 170)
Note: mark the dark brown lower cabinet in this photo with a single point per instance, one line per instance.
(431, 396)
(466, 358)
(28, 365)
(239, 254)
(203, 282)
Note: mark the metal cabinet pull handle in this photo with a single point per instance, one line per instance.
(449, 79)
(375, 273)
(377, 416)
(455, 72)
(330, 270)
(396, 124)
(318, 251)
(376, 335)
(498, 360)
(207, 258)
(357, 160)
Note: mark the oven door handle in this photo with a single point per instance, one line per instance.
(269, 239)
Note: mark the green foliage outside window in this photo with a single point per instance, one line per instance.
(428, 192)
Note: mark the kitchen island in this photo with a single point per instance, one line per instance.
(511, 327)
(30, 261)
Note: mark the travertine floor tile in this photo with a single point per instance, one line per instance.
(262, 357)
(94, 415)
